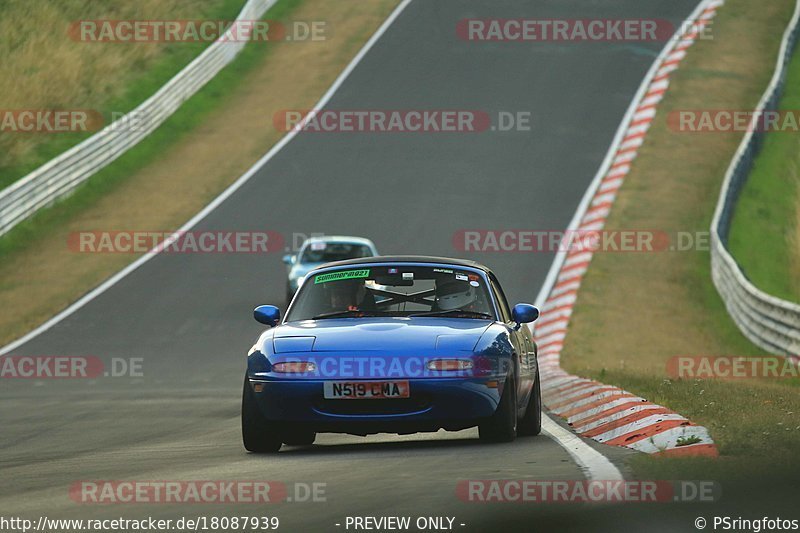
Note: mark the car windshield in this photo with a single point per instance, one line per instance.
(327, 252)
(399, 291)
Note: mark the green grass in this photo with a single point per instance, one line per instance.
(764, 232)
(727, 409)
(190, 115)
(150, 75)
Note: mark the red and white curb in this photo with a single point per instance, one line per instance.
(605, 413)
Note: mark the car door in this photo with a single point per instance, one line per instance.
(522, 341)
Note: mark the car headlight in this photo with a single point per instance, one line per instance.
(294, 367)
(449, 364)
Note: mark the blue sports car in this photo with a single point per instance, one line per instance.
(392, 345)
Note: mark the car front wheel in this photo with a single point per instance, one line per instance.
(300, 438)
(502, 426)
(531, 423)
(259, 435)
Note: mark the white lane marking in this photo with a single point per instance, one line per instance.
(595, 465)
(110, 282)
(582, 452)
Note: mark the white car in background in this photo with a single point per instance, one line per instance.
(317, 251)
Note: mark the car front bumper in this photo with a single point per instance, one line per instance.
(448, 403)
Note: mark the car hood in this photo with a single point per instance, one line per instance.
(398, 335)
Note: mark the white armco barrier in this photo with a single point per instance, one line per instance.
(60, 176)
(770, 323)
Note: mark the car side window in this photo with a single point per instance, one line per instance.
(502, 303)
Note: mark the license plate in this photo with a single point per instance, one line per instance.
(363, 390)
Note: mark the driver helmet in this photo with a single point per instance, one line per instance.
(455, 295)
(344, 293)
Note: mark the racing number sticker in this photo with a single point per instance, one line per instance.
(336, 276)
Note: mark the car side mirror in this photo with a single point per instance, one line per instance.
(524, 313)
(289, 259)
(267, 314)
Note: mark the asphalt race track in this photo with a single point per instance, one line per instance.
(188, 316)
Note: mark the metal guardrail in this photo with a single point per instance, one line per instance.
(769, 322)
(61, 175)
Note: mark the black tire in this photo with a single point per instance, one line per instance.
(502, 426)
(531, 423)
(259, 435)
(300, 437)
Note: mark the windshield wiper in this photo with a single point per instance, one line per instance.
(459, 313)
(345, 313)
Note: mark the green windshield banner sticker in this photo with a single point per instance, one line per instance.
(336, 276)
